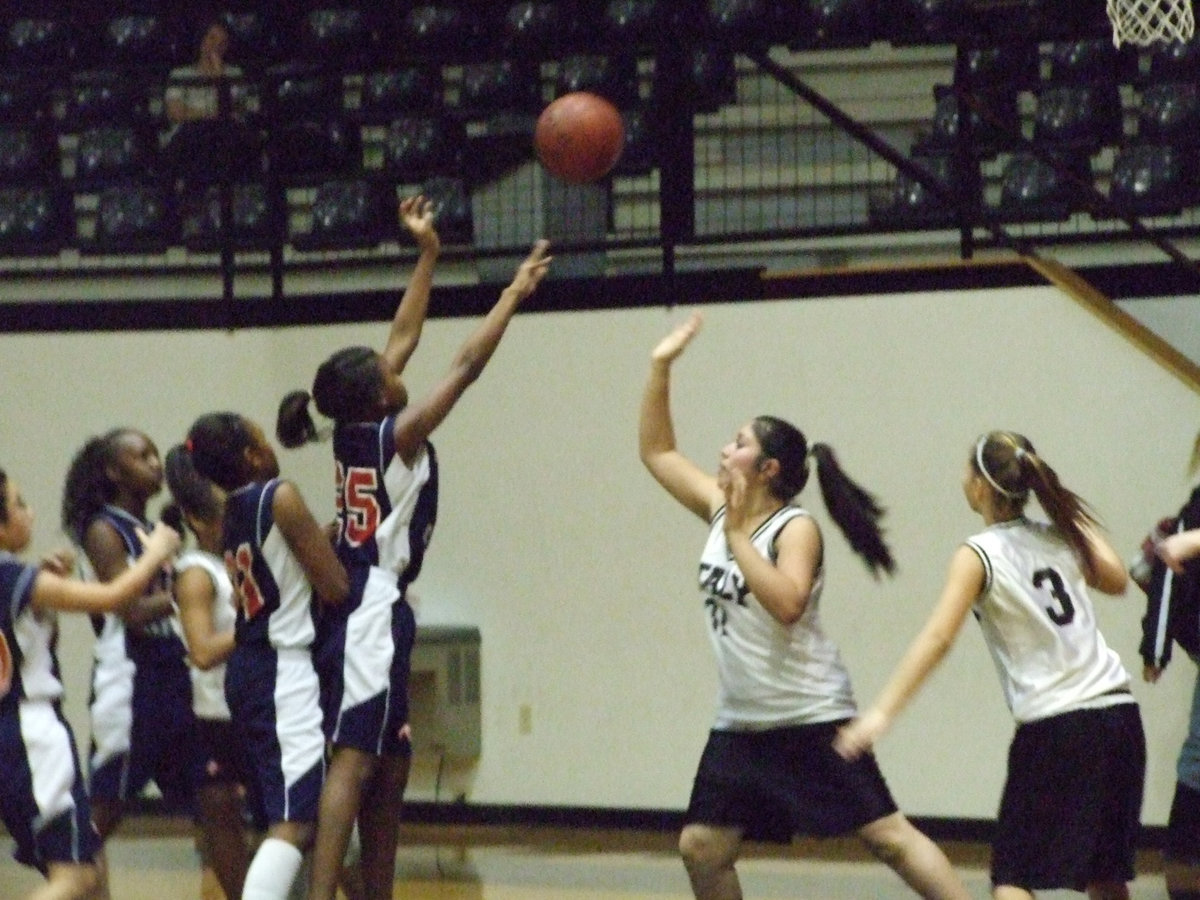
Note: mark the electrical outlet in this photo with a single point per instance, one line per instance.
(524, 719)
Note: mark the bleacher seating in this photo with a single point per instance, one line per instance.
(358, 102)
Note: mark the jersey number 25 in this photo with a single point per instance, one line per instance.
(357, 508)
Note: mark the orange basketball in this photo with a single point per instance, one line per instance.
(579, 137)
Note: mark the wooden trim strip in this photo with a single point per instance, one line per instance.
(1087, 295)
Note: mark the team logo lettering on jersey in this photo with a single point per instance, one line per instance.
(721, 584)
(717, 616)
(726, 584)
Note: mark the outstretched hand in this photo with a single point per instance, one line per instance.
(164, 541)
(1176, 549)
(674, 343)
(859, 735)
(735, 502)
(531, 272)
(416, 214)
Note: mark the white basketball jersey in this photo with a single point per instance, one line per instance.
(1040, 626)
(770, 674)
(33, 635)
(208, 687)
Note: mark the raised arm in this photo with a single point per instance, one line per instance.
(194, 595)
(416, 214)
(52, 590)
(683, 479)
(1110, 576)
(1177, 549)
(419, 419)
(784, 586)
(964, 582)
(310, 544)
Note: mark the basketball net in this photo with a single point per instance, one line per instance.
(1146, 22)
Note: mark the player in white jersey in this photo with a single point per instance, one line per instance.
(387, 483)
(43, 803)
(206, 614)
(1069, 817)
(769, 770)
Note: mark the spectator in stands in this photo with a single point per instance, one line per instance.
(206, 104)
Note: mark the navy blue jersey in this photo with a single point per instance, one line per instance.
(273, 593)
(156, 643)
(16, 617)
(1173, 600)
(386, 510)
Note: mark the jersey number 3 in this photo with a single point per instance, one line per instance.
(1065, 611)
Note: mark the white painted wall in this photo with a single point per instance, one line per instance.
(580, 572)
(1171, 318)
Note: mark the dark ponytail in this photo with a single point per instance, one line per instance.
(294, 425)
(853, 509)
(348, 387)
(191, 492)
(1013, 468)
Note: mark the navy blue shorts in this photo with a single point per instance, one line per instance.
(227, 762)
(43, 802)
(162, 743)
(778, 783)
(363, 656)
(274, 701)
(1071, 810)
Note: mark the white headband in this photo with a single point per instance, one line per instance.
(1011, 495)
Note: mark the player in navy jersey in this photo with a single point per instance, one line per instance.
(42, 799)
(1069, 816)
(387, 477)
(282, 564)
(769, 770)
(141, 711)
(1173, 617)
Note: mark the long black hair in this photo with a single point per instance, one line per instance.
(853, 509)
(191, 493)
(89, 487)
